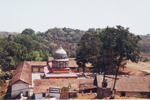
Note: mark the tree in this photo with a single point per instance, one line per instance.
(10, 37)
(25, 40)
(28, 31)
(114, 47)
(88, 46)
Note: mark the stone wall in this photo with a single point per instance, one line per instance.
(103, 92)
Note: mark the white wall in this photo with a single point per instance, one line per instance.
(18, 87)
(40, 96)
(128, 93)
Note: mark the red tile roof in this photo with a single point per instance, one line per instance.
(37, 63)
(127, 83)
(42, 85)
(23, 73)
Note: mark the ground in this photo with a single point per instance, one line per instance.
(94, 96)
(140, 68)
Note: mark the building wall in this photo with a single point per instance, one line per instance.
(40, 96)
(62, 77)
(35, 69)
(103, 92)
(41, 69)
(79, 69)
(19, 87)
(128, 93)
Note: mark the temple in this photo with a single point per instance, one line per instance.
(58, 67)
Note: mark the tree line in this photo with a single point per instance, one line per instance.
(38, 46)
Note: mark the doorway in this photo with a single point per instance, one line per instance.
(123, 94)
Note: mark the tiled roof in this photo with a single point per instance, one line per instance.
(23, 73)
(37, 63)
(127, 83)
(43, 85)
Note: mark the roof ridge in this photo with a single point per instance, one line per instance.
(22, 71)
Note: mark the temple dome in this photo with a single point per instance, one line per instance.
(60, 54)
(60, 51)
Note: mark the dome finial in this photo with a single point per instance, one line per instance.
(60, 47)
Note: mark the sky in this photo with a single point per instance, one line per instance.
(41, 15)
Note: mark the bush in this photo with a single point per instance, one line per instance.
(64, 89)
(48, 96)
(3, 96)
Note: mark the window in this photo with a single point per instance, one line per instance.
(26, 93)
(43, 94)
(38, 69)
(123, 94)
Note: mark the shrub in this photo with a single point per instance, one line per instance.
(64, 89)
(48, 96)
(3, 96)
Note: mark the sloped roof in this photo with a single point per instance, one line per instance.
(23, 73)
(127, 83)
(37, 63)
(43, 85)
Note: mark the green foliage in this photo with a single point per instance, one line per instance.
(108, 49)
(25, 40)
(17, 48)
(3, 96)
(64, 89)
(142, 95)
(34, 55)
(48, 96)
(28, 31)
(69, 86)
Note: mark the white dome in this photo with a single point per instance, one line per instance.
(60, 54)
(61, 51)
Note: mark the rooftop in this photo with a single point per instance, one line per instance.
(43, 85)
(127, 83)
(23, 73)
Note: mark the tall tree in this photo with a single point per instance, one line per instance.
(89, 45)
(115, 46)
(28, 31)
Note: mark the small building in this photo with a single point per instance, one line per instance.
(74, 67)
(37, 66)
(125, 85)
(42, 86)
(21, 81)
(58, 67)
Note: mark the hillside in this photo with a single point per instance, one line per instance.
(69, 38)
(4, 34)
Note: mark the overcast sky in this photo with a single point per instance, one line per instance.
(40, 15)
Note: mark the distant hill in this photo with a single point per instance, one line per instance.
(145, 43)
(4, 34)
